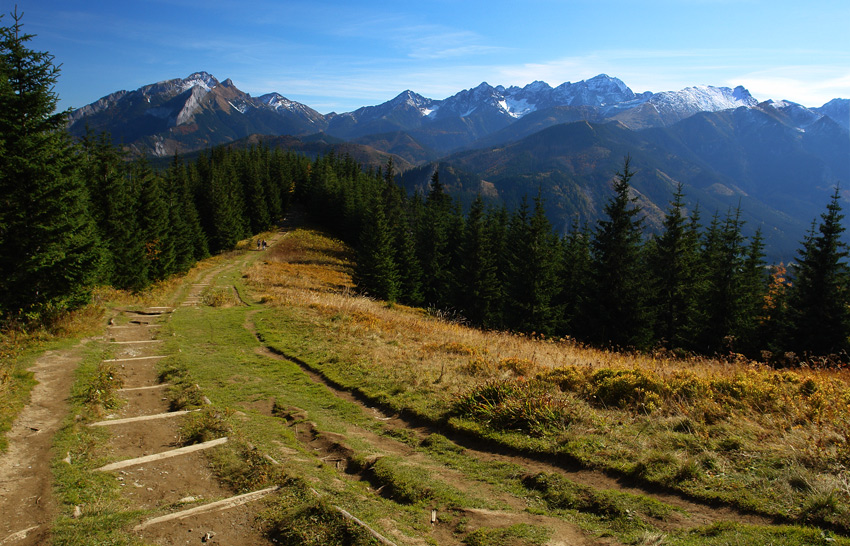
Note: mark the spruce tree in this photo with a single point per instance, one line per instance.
(49, 254)
(250, 173)
(115, 209)
(190, 243)
(575, 275)
(819, 301)
(722, 290)
(532, 267)
(154, 220)
(432, 245)
(754, 285)
(227, 206)
(375, 272)
(617, 310)
(478, 276)
(674, 277)
(403, 240)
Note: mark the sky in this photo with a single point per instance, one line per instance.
(341, 55)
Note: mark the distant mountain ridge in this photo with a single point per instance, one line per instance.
(182, 115)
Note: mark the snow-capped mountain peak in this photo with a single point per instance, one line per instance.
(203, 80)
(175, 109)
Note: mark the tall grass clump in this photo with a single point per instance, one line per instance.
(533, 407)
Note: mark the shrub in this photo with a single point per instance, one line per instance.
(635, 389)
(99, 392)
(568, 379)
(520, 367)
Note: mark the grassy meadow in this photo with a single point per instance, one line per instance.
(496, 423)
(733, 432)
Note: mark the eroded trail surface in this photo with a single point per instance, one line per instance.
(26, 502)
(689, 513)
(158, 473)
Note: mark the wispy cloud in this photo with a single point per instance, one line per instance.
(807, 85)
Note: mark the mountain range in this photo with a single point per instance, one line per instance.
(778, 160)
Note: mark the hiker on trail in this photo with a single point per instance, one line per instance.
(264, 244)
(258, 244)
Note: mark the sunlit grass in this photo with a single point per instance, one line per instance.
(732, 430)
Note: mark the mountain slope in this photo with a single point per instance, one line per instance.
(781, 177)
(188, 114)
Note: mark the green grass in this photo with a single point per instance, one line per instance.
(728, 534)
(605, 421)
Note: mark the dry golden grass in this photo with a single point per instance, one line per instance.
(782, 437)
(308, 270)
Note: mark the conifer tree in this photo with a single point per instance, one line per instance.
(722, 290)
(403, 240)
(228, 220)
(819, 301)
(115, 209)
(754, 284)
(250, 173)
(478, 276)
(574, 274)
(455, 227)
(376, 273)
(154, 220)
(190, 243)
(432, 245)
(618, 306)
(497, 235)
(531, 278)
(49, 254)
(674, 277)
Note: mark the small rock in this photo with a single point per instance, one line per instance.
(187, 499)
(77, 512)
(68, 458)
(208, 536)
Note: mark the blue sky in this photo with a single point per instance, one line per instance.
(340, 55)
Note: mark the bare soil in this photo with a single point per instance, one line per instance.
(26, 502)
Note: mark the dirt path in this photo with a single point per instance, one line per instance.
(27, 506)
(172, 482)
(26, 502)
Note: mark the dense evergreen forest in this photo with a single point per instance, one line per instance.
(75, 215)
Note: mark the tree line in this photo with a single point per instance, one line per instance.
(696, 286)
(75, 215)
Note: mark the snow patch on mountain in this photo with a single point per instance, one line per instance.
(703, 98)
(199, 79)
(242, 107)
